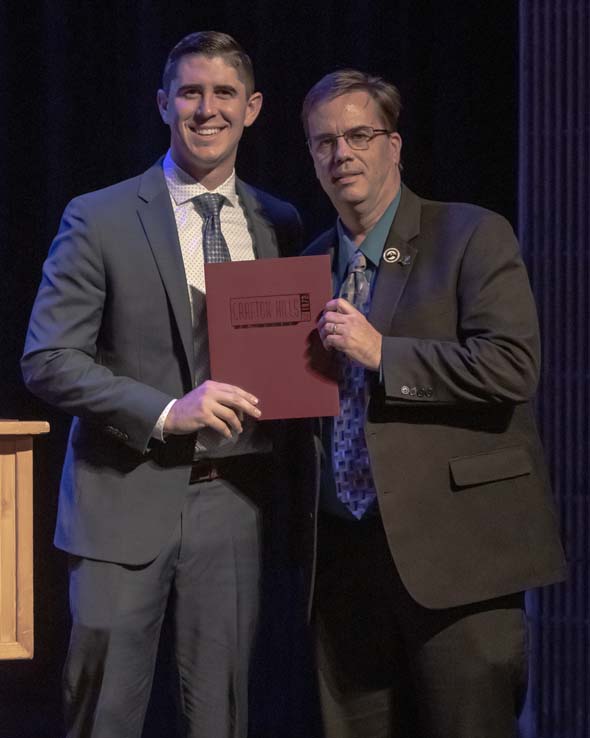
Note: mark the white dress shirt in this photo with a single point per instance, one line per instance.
(183, 189)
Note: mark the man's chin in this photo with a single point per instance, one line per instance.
(207, 157)
(348, 196)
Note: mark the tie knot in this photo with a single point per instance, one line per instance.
(355, 287)
(208, 204)
(358, 262)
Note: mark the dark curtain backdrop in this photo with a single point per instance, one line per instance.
(554, 218)
(77, 112)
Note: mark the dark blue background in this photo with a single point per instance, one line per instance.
(77, 97)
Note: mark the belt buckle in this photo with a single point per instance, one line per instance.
(203, 470)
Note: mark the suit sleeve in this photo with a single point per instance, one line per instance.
(495, 355)
(61, 362)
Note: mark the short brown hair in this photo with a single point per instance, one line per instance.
(344, 81)
(210, 43)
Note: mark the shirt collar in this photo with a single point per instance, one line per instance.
(374, 243)
(183, 187)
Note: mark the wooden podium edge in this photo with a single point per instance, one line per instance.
(14, 651)
(22, 433)
(23, 427)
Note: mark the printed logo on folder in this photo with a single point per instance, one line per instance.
(270, 310)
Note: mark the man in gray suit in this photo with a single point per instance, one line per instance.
(165, 469)
(435, 512)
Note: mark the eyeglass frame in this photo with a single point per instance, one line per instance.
(345, 135)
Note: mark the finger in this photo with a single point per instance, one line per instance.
(337, 305)
(216, 423)
(325, 329)
(340, 332)
(228, 416)
(239, 403)
(244, 394)
(340, 305)
(213, 387)
(330, 317)
(332, 305)
(325, 343)
(334, 340)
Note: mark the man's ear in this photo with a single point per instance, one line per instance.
(396, 144)
(162, 101)
(253, 107)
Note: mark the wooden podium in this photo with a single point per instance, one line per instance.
(16, 537)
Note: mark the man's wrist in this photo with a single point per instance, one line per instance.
(159, 432)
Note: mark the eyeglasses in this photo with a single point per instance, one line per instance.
(357, 138)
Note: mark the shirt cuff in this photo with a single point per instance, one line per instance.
(158, 431)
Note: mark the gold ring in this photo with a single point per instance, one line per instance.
(334, 329)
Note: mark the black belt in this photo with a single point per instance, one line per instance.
(239, 468)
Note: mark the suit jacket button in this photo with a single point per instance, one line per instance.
(405, 390)
(413, 392)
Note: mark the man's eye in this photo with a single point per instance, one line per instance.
(360, 137)
(325, 144)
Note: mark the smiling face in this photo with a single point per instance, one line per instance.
(360, 184)
(207, 109)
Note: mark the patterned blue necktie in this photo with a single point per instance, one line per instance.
(214, 246)
(350, 456)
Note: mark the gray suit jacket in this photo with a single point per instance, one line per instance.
(454, 451)
(110, 342)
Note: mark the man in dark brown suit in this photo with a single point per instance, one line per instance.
(435, 512)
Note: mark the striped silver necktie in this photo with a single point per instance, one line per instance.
(214, 245)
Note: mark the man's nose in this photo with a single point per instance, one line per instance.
(342, 150)
(206, 107)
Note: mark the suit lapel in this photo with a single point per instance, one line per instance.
(325, 244)
(261, 227)
(157, 217)
(396, 263)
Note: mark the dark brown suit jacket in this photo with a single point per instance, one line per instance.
(456, 459)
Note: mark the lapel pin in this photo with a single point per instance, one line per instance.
(391, 255)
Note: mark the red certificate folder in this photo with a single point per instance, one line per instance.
(262, 318)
